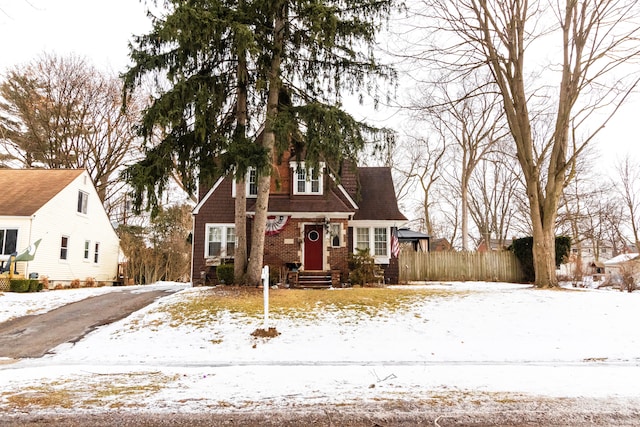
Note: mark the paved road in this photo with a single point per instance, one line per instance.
(33, 336)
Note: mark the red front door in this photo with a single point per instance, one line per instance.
(313, 247)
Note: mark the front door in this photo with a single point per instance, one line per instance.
(313, 247)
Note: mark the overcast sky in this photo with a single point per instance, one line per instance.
(101, 30)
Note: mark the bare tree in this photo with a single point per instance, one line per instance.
(60, 112)
(494, 194)
(628, 189)
(577, 92)
(469, 120)
(417, 162)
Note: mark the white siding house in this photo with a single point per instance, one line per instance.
(61, 208)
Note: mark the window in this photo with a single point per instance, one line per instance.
(380, 241)
(86, 249)
(376, 239)
(221, 240)
(307, 181)
(64, 246)
(8, 240)
(252, 182)
(336, 234)
(83, 200)
(96, 251)
(362, 238)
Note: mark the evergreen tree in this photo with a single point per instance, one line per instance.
(292, 58)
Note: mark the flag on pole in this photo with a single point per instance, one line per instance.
(395, 244)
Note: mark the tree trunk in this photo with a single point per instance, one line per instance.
(268, 140)
(240, 220)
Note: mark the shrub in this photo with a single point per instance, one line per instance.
(19, 285)
(225, 274)
(35, 285)
(90, 282)
(363, 268)
(25, 285)
(75, 283)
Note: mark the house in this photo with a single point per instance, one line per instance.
(439, 245)
(59, 211)
(622, 266)
(494, 245)
(315, 223)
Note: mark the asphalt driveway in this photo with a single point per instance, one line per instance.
(35, 335)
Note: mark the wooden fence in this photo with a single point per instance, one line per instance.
(500, 266)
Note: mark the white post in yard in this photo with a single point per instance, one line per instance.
(265, 287)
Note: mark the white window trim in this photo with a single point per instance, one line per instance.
(67, 253)
(247, 185)
(85, 205)
(86, 251)
(337, 225)
(223, 239)
(96, 253)
(296, 166)
(379, 259)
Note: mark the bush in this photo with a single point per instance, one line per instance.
(225, 274)
(363, 268)
(25, 285)
(75, 284)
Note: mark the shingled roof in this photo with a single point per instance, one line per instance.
(24, 191)
(377, 199)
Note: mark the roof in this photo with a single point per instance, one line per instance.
(622, 258)
(377, 199)
(24, 191)
(406, 234)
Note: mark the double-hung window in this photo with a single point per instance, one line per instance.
(375, 239)
(307, 180)
(87, 245)
(64, 247)
(221, 240)
(96, 252)
(8, 240)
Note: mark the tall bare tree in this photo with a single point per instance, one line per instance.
(557, 61)
(628, 188)
(61, 112)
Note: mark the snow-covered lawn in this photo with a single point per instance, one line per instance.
(477, 340)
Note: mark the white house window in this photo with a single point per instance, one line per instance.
(375, 239)
(362, 238)
(221, 240)
(83, 200)
(87, 245)
(96, 252)
(336, 234)
(64, 247)
(8, 240)
(307, 181)
(252, 182)
(380, 241)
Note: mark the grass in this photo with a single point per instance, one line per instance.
(85, 392)
(201, 308)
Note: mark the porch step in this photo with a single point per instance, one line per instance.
(313, 280)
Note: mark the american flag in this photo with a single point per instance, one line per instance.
(395, 245)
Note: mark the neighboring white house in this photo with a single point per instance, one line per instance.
(62, 208)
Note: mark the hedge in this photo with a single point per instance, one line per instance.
(25, 285)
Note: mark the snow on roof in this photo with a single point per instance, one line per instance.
(622, 258)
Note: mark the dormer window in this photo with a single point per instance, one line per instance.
(307, 180)
(251, 183)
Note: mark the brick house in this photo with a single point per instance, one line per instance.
(314, 223)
